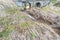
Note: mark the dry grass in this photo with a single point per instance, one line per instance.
(18, 26)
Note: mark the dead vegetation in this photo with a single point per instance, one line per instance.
(52, 18)
(16, 25)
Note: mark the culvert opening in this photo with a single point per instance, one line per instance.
(38, 4)
(28, 5)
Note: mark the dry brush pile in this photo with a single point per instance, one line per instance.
(15, 25)
(18, 26)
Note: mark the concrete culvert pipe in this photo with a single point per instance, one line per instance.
(38, 4)
(28, 5)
